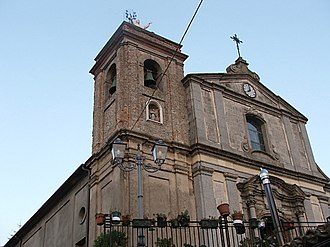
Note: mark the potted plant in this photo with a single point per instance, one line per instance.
(161, 220)
(223, 209)
(238, 222)
(143, 223)
(211, 222)
(237, 215)
(99, 219)
(184, 218)
(115, 217)
(174, 223)
(164, 242)
(254, 222)
(126, 220)
(114, 238)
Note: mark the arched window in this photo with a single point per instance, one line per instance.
(154, 111)
(112, 79)
(256, 133)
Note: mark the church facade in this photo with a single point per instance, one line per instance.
(220, 129)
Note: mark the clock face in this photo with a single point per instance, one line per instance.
(249, 90)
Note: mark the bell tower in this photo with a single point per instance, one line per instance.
(138, 88)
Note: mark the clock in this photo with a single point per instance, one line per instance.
(249, 90)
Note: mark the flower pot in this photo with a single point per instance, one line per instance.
(115, 217)
(239, 226)
(209, 223)
(237, 216)
(126, 220)
(161, 221)
(143, 223)
(99, 219)
(223, 209)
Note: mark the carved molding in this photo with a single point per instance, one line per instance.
(200, 169)
(288, 194)
(241, 67)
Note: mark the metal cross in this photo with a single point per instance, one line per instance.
(237, 41)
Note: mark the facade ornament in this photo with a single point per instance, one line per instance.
(245, 144)
(241, 67)
(251, 201)
(275, 155)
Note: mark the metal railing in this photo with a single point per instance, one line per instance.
(225, 234)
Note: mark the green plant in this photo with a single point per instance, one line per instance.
(126, 219)
(164, 242)
(257, 242)
(184, 218)
(174, 223)
(114, 238)
(189, 245)
(161, 215)
(209, 223)
(144, 223)
(161, 219)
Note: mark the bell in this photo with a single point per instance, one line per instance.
(149, 80)
(113, 85)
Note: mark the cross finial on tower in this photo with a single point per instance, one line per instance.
(237, 41)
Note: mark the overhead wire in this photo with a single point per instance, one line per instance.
(168, 65)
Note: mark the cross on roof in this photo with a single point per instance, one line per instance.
(237, 41)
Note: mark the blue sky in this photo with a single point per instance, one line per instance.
(46, 92)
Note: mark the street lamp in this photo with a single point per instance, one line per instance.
(159, 151)
(271, 202)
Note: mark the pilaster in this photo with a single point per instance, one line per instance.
(204, 195)
(232, 191)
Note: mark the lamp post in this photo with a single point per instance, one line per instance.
(271, 202)
(159, 151)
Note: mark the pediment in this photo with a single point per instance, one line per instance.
(241, 75)
(281, 189)
(234, 86)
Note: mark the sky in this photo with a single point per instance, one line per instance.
(47, 48)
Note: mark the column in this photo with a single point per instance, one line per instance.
(301, 219)
(251, 205)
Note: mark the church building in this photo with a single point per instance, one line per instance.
(219, 128)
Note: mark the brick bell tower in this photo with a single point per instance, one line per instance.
(130, 73)
(140, 98)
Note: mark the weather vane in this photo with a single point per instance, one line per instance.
(237, 41)
(131, 16)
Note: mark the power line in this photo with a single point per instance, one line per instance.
(168, 65)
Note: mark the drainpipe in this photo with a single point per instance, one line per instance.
(271, 202)
(84, 167)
